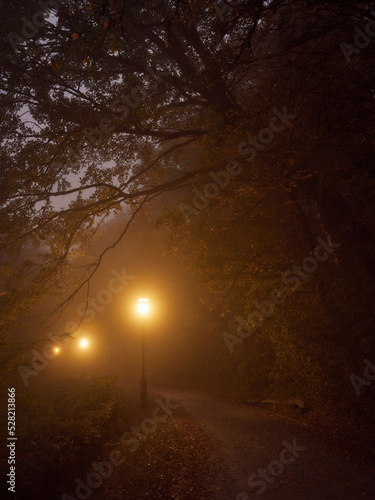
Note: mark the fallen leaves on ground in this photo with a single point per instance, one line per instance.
(171, 463)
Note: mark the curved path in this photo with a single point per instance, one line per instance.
(257, 455)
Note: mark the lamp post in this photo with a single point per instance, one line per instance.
(143, 310)
(84, 344)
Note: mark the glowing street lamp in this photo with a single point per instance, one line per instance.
(84, 343)
(143, 304)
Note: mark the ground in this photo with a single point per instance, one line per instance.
(212, 448)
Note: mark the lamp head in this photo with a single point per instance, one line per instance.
(84, 343)
(143, 306)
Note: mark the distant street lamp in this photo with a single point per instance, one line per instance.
(143, 310)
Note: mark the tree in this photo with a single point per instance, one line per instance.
(111, 104)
